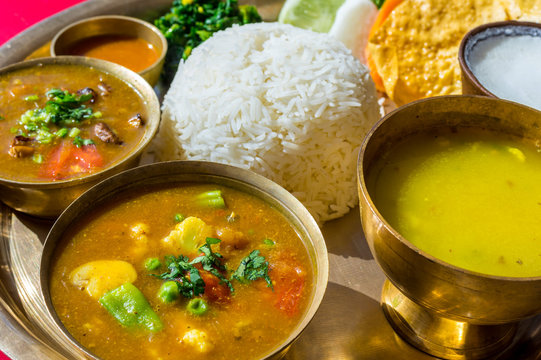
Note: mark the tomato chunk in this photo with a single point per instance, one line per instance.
(66, 160)
(214, 290)
(289, 280)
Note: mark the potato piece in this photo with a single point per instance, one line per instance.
(198, 339)
(101, 276)
(189, 235)
(231, 239)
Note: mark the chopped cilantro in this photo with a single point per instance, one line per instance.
(62, 109)
(79, 141)
(185, 274)
(268, 242)
(189, 281)
(251, 268)
(212, 262)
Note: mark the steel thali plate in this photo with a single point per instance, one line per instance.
(350, 323)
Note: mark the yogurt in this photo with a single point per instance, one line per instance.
(509, 66)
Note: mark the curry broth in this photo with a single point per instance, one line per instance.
(247, 326)
(120, 103)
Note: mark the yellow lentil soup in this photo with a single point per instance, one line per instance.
(63, 121)
(470, 198)
(218, 273)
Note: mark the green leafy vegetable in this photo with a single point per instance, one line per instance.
(378, 3)
(185, 274)
(190, 22)
(268, 242)
(63, 110)
(251, 268)
(79, 141)
(212, 262)
(189, 281)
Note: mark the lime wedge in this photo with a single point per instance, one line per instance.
(316, 15)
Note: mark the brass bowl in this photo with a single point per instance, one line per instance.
(439, 308)
(49, 199)
(470, 83)
(190, 172)
(113, 25)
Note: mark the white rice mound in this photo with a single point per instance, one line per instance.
(287, 103)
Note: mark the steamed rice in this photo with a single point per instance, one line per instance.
(287, 103)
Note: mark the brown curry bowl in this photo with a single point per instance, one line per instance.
(470, 84)
(442, 309)
(187, 172)
(113, 25)
(49, 198)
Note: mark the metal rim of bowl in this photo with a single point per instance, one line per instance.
(366, 194)
(464, 43)
(151, 27)
(162, 173)
(131, 78)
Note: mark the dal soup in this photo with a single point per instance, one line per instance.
(470, 198)
(65, 121)
(214, 273)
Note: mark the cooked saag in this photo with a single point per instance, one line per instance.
(190, 22)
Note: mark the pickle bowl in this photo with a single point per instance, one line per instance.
(48, 198)
(122, 27)
(179, 173)
(442, 309)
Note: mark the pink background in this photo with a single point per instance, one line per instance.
(17, 15)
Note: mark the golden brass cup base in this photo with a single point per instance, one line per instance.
(439, 336)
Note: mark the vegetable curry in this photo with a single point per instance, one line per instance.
(64, 121)
(190, 271)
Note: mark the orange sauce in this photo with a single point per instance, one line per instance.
(130, 51)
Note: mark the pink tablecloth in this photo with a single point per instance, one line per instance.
(17, 15)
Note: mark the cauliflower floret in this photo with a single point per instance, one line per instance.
(189, 235)
(138, 234)
(198, 339)
(98, 277)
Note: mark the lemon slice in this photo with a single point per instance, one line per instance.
(315, 15)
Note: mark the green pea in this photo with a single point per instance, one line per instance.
(168, 291)
(197, 307)
(152, 264)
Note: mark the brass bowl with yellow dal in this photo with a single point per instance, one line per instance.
(456, 287)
